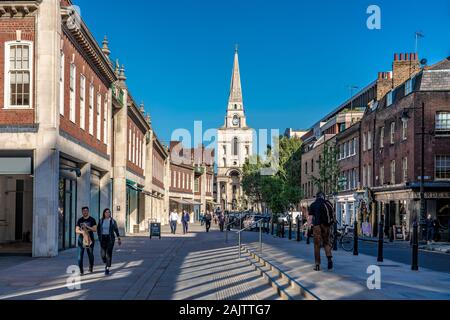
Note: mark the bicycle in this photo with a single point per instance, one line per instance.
(344, 237)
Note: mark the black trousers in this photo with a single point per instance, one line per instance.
(90, 253)
(208, 225)
(107, 247)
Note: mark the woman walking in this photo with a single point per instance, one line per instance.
(107, 232)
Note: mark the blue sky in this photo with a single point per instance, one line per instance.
(297, 58)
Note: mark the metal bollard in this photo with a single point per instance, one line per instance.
(282, 230)
(415, 248)
(335, 243)
(380, 242)
(290, 229)
(355, 239)
(272, 227)
(391, 234)
(298, 230)
(449, 231)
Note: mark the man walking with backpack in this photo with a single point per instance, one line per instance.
(323, 218)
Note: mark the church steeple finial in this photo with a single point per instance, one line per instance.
(236, 88)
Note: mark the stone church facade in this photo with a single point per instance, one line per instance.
(234, 146)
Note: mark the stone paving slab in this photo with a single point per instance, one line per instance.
(349, 278)
(198, 265)
(437, 247)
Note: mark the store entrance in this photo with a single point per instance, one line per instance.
(67, 213)
(16, 215)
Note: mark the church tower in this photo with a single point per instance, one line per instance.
(235, 144)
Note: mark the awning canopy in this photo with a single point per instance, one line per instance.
(186, 202)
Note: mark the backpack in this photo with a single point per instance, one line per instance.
(326, 215)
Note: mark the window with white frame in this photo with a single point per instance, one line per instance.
(364, 176)
(443, 122)
(133, 147)
(405, 169)
(355, 141)
(82, 102)
(389, 99)
(99, 107)
(18, 74)
(408, 87)
(364, 141)
(369, 141)
(405, 130)
(369, 175)
(392, 172)
(443, 167)
(61, 83)
(91, 109)
(392, 132)
(105, 119)
(72, 89)
(381, 175)
(129, 144)
(382, 138)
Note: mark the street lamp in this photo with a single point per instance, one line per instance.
(405, 117)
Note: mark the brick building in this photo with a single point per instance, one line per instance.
(71, 135)
(393, 164)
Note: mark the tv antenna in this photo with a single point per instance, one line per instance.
(418, 35)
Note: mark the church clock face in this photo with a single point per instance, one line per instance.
(235, 120)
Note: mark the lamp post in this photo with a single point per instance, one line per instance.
(405, 117)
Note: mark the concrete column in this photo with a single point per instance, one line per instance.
(46, 156)
(84, 188)
(219, 194)
(120, 165)
(105, 192)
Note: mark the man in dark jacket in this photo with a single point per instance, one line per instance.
(323, 218)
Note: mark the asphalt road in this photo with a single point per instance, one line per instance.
(402, 252)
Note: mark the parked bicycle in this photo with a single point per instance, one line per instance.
(344, 237)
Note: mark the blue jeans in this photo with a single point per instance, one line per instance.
(173, 226)
(90, 253)
(185, 227)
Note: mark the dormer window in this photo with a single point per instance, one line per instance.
(408, 87)
(389, 99)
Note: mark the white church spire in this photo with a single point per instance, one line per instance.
(236, 88)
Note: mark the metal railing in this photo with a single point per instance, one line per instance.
(246, 228)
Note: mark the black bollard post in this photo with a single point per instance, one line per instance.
(272, 228)
(335, 238)
(391, 234)
(380, 241)
(298, 230)
(415, 249)
(290, 229)
(355, 239)
(449, 231)
(282, 230)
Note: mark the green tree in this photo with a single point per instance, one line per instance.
(329, 170)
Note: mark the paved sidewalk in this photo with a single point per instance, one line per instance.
(349, 278)
(443, 247)
(196, 266)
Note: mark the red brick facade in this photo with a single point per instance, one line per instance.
(135, 148)
(8, 33)
(181, 179)
(72, 55)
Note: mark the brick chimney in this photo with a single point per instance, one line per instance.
(384, 84)
(404, 66)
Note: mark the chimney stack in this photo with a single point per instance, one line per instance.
(384, 84)
(404, 67)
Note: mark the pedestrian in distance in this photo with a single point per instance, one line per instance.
(173, 221)
(85, 228)
(185, 219)
(208, 219)
(221, 221)
(323, 218)
(107, 231)
(202, 219)
(430, 229)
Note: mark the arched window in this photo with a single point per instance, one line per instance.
(224, 162)
(235, 107)
(235, 146)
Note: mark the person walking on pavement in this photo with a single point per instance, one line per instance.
(323, 218)
(221, 221)
(185, 219)
(173, 221)
(430, 229)
(208, 218)
(107, 231)
(86, 226)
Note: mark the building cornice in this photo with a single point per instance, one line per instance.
(15, 8)
(82, 38)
